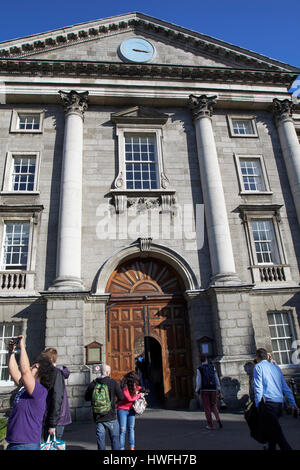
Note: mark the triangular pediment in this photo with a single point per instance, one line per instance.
(139, 114)
(99, 41)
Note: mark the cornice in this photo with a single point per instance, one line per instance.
(62, 38)
(91, 69)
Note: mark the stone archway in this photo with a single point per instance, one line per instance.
(146, 300)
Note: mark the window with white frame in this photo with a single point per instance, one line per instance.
(21, 172)
(27, 121)
(242, 126)
(7, 332)
(141, 161)
(252, 174)
(265, 242)
(15, 245)
(282, 336)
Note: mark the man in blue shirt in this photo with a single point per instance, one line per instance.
(269, 390)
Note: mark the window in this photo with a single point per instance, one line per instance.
(241, 126)
(21, 172)
(27, 121)
(16, 245)
(140, 172)
(7, 331)
(265, 241)
(252, 175)
(282, 336)
(141, 162)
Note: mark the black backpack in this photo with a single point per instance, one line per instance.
(208, 380)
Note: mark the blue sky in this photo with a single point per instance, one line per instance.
(269, 27)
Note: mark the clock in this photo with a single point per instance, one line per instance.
(136, 50)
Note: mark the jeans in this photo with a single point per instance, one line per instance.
(270, 413)
(33, 446)
(127, 421)
(113, 431)
(209, 400)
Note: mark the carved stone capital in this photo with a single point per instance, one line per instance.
(282, 109)
(202, 106)
(74, 102)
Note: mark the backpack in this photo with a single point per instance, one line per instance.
(208, 381)
(101, 402)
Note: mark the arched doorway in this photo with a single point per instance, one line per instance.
(147, 310)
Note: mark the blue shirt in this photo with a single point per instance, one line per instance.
(270, 384)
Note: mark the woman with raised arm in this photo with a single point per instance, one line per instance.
(24, 427)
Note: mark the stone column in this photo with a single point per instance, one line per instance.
(221, 254)
(290, 146)
(68, 270)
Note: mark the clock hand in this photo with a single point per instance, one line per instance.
(140, 50)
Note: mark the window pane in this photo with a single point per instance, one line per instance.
(142, 173)
(29, 121)
(281, 336)
(242, 126)
(23, 174)
(265, 241)
(16, 243)
(252, 175)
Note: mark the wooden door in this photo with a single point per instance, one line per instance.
(127, 326)
(147, 300)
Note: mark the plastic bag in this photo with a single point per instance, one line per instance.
(53, 444)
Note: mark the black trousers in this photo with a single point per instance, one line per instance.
(270, 413)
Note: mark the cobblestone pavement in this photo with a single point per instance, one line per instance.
(159, 429)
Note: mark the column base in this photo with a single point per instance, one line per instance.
(225, 279)
(67, 284)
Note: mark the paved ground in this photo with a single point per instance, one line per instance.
(160, 429)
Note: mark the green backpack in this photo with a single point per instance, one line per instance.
(101, 403)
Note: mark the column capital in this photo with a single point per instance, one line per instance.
(202, 106)
(74, 102)
(282, 110)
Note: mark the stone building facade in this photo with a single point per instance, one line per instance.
(149, 203)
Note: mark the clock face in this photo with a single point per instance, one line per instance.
(136, 50)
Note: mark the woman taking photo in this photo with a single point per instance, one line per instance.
(126, 414)
(24, 425)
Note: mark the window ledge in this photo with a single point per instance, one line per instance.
(143, 199)
(256, 193)
(26, 131)
(19, 193)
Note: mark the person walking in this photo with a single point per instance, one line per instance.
(126, 414)
(207, 382)
(58, 412)
(103, 393)
(24, 427)
(269, 390)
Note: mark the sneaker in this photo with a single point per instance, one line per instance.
(220, 424)
(209, 427)
(131, 448)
